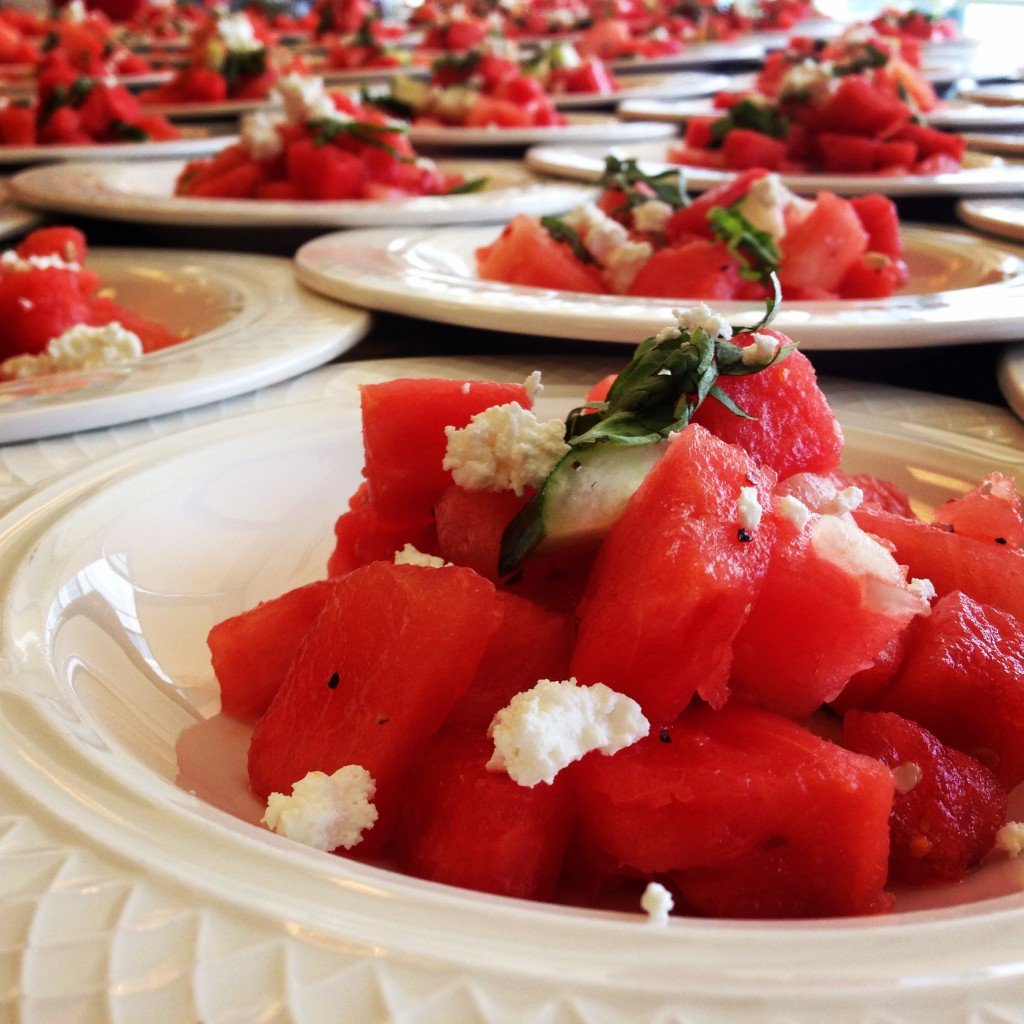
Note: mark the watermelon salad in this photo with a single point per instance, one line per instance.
(72, 109)
(643, 237)
(916, 24)
(369, 47)
(228, 60)
(87, 48)
(561, 69)
(479, 89)
(557, 659)
(849, 107)
(57, 317)
(322, 147)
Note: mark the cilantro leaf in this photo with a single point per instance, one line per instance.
(625, 175)
(755, 249)
(469, 185)
(561, 232)
(757, 117)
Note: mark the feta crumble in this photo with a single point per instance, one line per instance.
(748, 509)
(657, 903)
(706, 319)
(533, 386)
(74, 13)
(846, 500)
(11, 261)
(546, 728)
(795, 511)
(609, 243)
(79, 348)
(924, 589)
(260, 136)
(304, 99)
(325, 811)
(238, 34)
(809, 77)
(1010, 838)
(765, 205)
(906, 776)
(652, 215)
(409, 555)
(761, 351)
(623, 263)
(504, 448)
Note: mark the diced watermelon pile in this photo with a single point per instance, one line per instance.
(41, 302)
(728, 629)
(830, 248)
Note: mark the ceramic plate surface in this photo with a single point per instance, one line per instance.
(999, 216)
(249, 325)
(1011, 378)
(220, 111)
(195, 142)
(145, 195)
(694, 56)
(582, 128)
(432, 274)
(955, 115)
(361, 76)
(1001, 94)
(686, 83)
(15, 220)
(1008, 144)
(136, 888)
(982, 174)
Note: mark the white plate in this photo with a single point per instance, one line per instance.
(221, 110)
(432, 274)
(685, 83)
(361, 76)
(1003, 217)
(1011, 378)
(953, 115)
(1003, 94)
(144, 80)
(694, 56)
(982, 175)
(15, 220)
(195, 142)
(129, 897)
(582, 128)
(251, 325)
(1009, 144)
(144, 194)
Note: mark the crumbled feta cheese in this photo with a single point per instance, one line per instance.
(761, 351)
(325, 811)
(23, 367)
(811, 77)
(765, 205)
(544, 729)
(533, 386)
(79, 348)
(465, 389)
(504, 448)
(1010, 838)
(748, 509)
(409, 555)
(906, 776)
(846, 500)
(858, 35)
(657, 903)
(599, 233)
(74, 13)
(652, 215)
(705, 318)
(623, 263)
(11, 261)
(304, 99)
(260, 136)
(238, 34)
(924, 589)
(795, 511)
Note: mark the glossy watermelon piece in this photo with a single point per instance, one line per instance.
(880, 219)
(988, 572)
(819, 249)
(37, 305)
(749, 813)
(878, 493)
(463, 825)
(947, 821)
(962, 678)
(404, 438)
(675, 578)
(863, 686)
(532, 643)
(693, 219)
(695, 270)
(792, 430)
(990, 512)
(524, 253)
(393, 650)
(252, 652)
(796, 650)
(470, 525)
(65, 242)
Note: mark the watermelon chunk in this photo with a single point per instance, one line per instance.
(393, 650)
(675, 578)
(989, 512)
(464, 825)
(947, 820)
(751, 814)
(251, 652)
(962, 678)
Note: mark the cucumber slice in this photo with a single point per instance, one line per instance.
(582, 497)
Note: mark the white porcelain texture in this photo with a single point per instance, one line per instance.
(195, 142)
(249, 325)
(695, 55)
(664, 86)
(432, 274)
(1003, 217)
(981, 174)
(124, 191)
(126, 897)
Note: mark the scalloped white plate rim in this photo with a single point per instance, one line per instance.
(982, 174)
(1003, 217)
(1011, 378)
(582, 128)
(194, 144)
(394, 279)
(254, 348)
(62, 188)
(110, 804)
